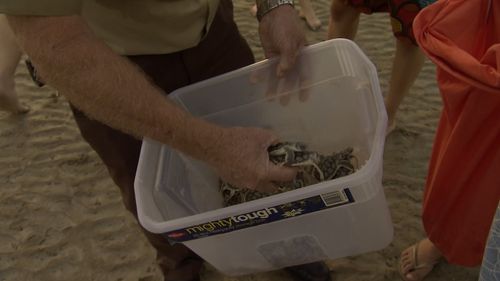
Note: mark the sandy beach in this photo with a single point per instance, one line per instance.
(62, 218)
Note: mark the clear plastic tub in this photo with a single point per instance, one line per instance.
(179, 196)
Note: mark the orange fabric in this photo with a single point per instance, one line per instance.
(462, 37)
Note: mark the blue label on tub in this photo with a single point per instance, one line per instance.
(267, 215)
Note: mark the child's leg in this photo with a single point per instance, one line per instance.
(10, 54)
(408, 60)
(344, 20)
(307, 12)
(407, 64)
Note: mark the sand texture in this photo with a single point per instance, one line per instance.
(61, 217)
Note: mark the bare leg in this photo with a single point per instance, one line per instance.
(344, 20)
(307, 12)
(10, 54)
(408, 62)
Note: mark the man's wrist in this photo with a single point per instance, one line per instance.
(204, 139)
(265, 6)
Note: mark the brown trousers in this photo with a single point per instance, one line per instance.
(223, 50)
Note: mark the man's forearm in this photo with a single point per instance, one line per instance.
(106, 86)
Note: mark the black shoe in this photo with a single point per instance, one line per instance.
(316, 271)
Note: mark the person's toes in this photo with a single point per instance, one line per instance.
(405, 257)
(406, 266)
(406, 262)
(418, 275)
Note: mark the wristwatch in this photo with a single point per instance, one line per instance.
(265, 6)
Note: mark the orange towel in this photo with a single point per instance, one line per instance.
(462, 37)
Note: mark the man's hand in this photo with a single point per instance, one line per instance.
(240, 157)
(281, 35)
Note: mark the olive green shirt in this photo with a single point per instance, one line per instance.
(131, 27)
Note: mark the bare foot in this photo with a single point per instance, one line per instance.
(417, 261)
(10, 103)
(307, 13)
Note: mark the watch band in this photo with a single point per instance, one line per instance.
(265, 6)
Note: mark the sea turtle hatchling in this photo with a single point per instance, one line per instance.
(313, 168)
(336, 165)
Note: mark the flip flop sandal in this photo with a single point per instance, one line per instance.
(416, 265)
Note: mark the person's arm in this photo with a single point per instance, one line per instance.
(109, 88)
(104, 85)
